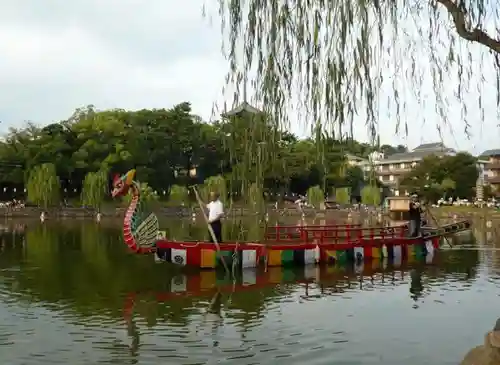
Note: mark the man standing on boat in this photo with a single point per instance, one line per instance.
(415, 213)
(215, 213)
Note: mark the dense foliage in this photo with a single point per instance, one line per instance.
(232, 154)
(243, 157)
(449, 176)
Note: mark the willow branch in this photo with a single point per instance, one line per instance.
(475, 35)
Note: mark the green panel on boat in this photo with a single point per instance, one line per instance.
(419, 250)
(287, 257)
(228, 257)
(341, 256)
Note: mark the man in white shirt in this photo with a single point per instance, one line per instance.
(215, 213)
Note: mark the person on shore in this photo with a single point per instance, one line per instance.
(415, 213)
(215, 214)
(489, 352)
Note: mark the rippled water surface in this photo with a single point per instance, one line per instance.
(72, 295)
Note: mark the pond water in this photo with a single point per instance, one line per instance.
(71, 294)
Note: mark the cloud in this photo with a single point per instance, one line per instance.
(58, 55)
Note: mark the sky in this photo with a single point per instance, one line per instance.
(59, 55)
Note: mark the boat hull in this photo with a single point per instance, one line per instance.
(205, 255)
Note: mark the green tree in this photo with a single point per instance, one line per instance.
(217, 184)
(95, 189)
(448, 186)
(244, 148)
(315, 196)
(435, 176)
(370, 195)
(179, 195)
(43, 185)
(342, 195)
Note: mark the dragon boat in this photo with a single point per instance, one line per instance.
(283, 246)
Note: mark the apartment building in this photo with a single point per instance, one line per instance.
(391, 169)
(492, 169)
(360, 162)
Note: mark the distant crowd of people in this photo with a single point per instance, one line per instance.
(16, 204)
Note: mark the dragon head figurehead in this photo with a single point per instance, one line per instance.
(121, 184)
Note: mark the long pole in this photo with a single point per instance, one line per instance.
(210, 229)
(437, 224)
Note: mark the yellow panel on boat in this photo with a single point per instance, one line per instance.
(376, 253)
(376, 264)
(331, 256)
(275, 274)
(410, 253)
(274, 258)
(208, 259)
(208, 279)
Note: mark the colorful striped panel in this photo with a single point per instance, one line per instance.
(384, 251)
(180, 256)
(212, 258)
(332, 257)
(208, 259)
(226, 255)
(274, 258)
(376, 253)
(359, 253)
(250, 258)
(328, 256)
(299, 257)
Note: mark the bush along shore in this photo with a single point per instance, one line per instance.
(180, 211)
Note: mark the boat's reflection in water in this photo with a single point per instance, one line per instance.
(215, 290)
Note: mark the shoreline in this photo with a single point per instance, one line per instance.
(108, 212)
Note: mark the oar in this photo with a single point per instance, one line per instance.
(437, 224)
(210, 229)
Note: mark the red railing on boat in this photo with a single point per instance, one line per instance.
(298, 233)
(332, 233)
(354, 234)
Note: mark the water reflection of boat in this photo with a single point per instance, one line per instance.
(210, 283)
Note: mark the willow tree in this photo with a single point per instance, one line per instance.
(43, 186)
(370, 195)
(95, 189)
(250, 141)
(335, 60)
(315, 196)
